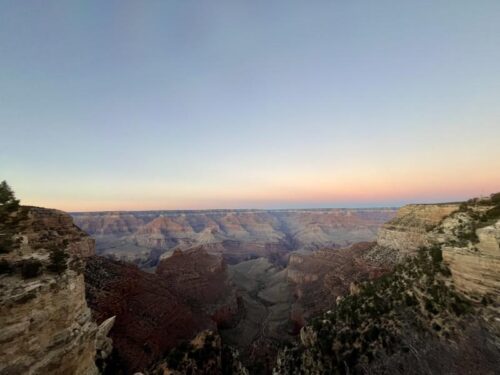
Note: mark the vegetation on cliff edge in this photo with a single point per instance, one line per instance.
(416, 297)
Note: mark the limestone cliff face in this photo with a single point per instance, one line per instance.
(469, 239)
(409, 230)
(46, 326)
(437, 310)
(471, 252)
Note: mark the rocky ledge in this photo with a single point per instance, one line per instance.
(47, 326)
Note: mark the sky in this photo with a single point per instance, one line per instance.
(131, 105)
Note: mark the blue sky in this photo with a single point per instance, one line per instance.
(199, 104)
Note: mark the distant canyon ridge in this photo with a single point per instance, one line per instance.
(143, 237)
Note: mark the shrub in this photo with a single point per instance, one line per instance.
(436, 255)
(30, 268)
(6, 244)
(436, 327)
(5, 267)
(58, 261)
(495, 198)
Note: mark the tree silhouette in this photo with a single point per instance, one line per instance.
(10, 216)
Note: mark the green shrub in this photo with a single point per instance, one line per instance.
(30, 268)
(58, 261)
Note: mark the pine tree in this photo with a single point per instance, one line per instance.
(8, 201)
(10, 216)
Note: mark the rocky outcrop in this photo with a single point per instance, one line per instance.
(150, 319)
(47, 326)
(470, 240)
(409, 230)
(436, 311)
(236, 234)
(201, 278)
(156, 311)
(468, 234)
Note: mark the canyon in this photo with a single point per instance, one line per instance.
(267, 292)
(143, 237)
(246, 255)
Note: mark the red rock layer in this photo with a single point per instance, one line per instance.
(199, 278)
(155, 312)
(150, 319)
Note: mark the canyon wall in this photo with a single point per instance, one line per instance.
(46, 325)
(154, 312)
(142, 237)
(470, 241)
(318, 279)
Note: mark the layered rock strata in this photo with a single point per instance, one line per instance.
(471, 249)
(236, 234)
(408, 231)
(47, 326)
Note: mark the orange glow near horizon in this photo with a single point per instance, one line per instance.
(249, 105)
(323, 194)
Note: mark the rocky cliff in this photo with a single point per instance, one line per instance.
(437, 311)
(408, 231)
(201, 279)
(156, 311)
(470, 240)
(47, 326)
